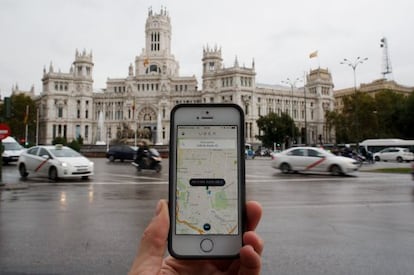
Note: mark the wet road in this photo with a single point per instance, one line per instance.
(312, 224)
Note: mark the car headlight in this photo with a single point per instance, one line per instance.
(64, 164)
(91, 164)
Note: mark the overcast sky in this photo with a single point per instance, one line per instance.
(278, 35)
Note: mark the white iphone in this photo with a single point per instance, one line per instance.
(206, 181)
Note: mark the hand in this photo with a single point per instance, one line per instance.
(150, 257)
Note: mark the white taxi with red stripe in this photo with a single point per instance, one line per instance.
(312, 159)
(54, 162)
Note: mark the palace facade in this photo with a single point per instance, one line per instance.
(141, 102)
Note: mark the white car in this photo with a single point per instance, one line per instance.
(12, 150)
(312, 159)
(394, 154)
(54, 162)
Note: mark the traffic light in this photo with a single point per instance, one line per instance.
(7, 107)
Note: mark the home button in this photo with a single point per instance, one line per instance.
(206, 245)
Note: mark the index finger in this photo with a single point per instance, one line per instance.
(254, 213)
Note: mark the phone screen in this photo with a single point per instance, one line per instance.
(207, 180)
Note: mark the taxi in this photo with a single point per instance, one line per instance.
(54, 162)
(312, 159)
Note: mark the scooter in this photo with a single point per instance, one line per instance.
(150, 161)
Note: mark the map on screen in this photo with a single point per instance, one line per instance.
(206, 183)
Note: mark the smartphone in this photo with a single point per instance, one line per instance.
(206, 181)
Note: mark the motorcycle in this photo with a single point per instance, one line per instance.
(151, 160)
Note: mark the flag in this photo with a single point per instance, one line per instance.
(313, 54)
(146, 62)
(26, 115)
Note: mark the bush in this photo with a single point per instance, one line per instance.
(75, 145)
(60, 140)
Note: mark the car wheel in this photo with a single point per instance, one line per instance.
(399, 159)
(53, 175)
(23, 171)
(335, 170)
(377, 158)
(111, 158)
(285, 168)
(158, 168)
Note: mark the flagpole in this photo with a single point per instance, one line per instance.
(37, 126)
(27, 125)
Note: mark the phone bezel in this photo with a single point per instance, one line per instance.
(188, 246)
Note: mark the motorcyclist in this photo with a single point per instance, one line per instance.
(142, 152)
(347, 152)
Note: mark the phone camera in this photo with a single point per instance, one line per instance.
(207, 112)
(198, 117)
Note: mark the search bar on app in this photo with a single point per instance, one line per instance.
(207, 144)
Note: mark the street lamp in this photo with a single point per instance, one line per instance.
(292, 84)
(354, 64)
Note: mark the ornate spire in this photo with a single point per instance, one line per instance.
(236, 62)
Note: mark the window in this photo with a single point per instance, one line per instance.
(43, 152)
(77, 131)
(60, 112)
(86, 131)
(297, 152)
(33, 151)
(155, 41)
(314, 153)
(154, 68)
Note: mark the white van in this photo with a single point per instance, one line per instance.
(12, 150)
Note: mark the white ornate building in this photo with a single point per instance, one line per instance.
(143, 100)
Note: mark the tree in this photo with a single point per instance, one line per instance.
(389, 110)
(275, 129)
(59, 140)
(407, 118)
(18, 120)
(387, 115)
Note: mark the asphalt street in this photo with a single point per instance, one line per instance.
(312, 224)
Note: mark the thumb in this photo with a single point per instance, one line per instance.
(153, 243)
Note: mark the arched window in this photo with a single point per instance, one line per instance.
(153, 69)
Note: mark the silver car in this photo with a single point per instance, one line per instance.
(394, 154)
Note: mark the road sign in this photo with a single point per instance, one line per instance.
(4, 130)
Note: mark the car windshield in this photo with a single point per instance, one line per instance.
(64, 153)
(12, 146)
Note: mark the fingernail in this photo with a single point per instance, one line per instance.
(158, 209)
